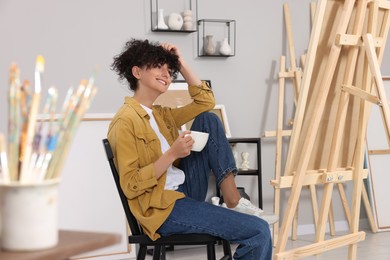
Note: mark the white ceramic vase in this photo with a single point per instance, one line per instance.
(225, 48)
(209, 45)
(175, 21)
(188, 21)
(187, 25)
(29, 216)
(160, 20)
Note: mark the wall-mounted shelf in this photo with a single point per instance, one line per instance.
(219, 32)
(183, 11)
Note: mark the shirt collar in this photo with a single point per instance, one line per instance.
(136, 106)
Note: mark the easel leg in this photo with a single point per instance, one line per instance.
(344, 202)
(294, 231)
(314, 203)
(324, 212)
(332, 227)
(279, 144)
(367, 205)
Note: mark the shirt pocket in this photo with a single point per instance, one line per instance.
(147, 146)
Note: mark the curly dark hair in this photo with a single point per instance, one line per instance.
(143, 53)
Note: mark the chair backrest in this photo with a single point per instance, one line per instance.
(134, 227)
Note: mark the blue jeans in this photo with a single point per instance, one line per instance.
(193, 215)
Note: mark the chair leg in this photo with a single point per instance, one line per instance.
(210, 251)
(157, 252)
(227, 251)
(163, 250)
(141, 252)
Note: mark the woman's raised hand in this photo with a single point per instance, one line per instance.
(172, 48)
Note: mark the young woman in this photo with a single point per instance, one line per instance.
(166, 183)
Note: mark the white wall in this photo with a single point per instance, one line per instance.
(76, 36)
(88, 198)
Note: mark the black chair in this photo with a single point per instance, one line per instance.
(138, 237)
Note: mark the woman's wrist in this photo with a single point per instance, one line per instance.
(169, 156)
(189, 76)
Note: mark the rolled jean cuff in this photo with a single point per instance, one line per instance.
(225, 173)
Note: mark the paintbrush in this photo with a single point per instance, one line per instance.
(37, 153)
(4, 160)
(14, 122)
(32, 118)
(25, 99)
(54, 132)
(84, 104)
(69, 107)
(50, 142)
(52, 110)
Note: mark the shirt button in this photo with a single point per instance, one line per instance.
(135, 187)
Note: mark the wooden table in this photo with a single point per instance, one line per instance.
(70, 243)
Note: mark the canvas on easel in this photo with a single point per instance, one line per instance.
(379, 179)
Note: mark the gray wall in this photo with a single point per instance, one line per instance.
(76, 36)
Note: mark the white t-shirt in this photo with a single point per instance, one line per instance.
(175, 176)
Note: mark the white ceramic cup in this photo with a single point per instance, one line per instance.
(200, 140)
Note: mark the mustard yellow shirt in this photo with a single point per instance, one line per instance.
(136, 147)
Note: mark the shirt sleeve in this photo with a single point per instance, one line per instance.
(203, 100)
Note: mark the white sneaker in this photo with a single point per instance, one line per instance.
(246, 207)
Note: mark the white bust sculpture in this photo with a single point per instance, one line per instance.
(245, 161)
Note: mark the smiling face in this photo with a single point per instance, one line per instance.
(153, 81)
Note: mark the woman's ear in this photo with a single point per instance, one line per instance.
(136, 72)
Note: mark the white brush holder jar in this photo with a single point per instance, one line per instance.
(29, 215)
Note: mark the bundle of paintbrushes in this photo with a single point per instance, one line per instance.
(38, 142)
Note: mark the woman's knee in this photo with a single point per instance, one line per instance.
(263, 239)
(207, 116)
(206, 121)
(257, 229)
(258, 242)
(262, 228)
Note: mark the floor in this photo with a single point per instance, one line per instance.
(375, 246)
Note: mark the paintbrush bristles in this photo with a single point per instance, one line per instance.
(38, 145)
(39, 68)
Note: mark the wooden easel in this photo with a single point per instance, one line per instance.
(295, 74)
(331, 117)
